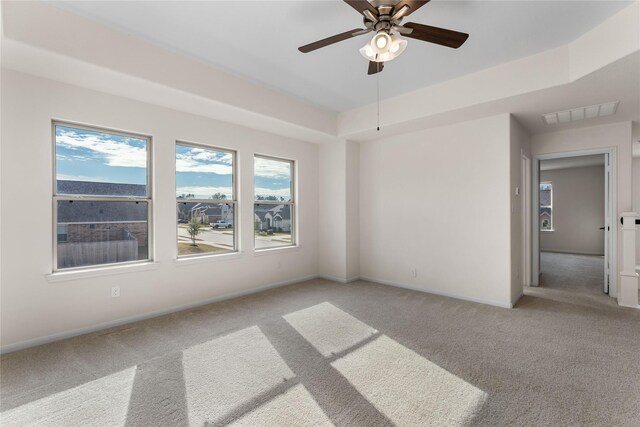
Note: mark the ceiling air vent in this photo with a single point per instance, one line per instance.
(581, 113)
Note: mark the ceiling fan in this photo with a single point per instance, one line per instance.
(384, 17)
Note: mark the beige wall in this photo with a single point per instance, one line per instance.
(635, 184)
(636, 201)
(437, 201)
(339, 228)
(34, 308)
(353, 209)
(332, 223)
(578, 211)
(520, 145)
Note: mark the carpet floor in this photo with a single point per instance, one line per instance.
(572, 272)
(322, 353)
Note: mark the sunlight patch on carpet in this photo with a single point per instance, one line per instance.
(329, 329)
(102, 402)
(295, 407)
(223, 374)
(407, 388)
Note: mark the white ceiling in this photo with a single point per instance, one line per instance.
(259, 40)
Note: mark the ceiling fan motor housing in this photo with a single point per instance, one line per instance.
(388, 3)
(383, 21)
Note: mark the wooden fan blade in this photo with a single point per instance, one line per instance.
(436, 35)
(412, 4)
(361, 6)
(329, 40)
(375, 67)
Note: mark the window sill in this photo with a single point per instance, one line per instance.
(547, 231)
(202, 259)
(274, 251)
(64, 276)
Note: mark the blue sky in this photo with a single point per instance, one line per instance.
(83, 155)
(203, 172)
(272, 178)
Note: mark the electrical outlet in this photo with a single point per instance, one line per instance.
(115, 292)
(414, 273)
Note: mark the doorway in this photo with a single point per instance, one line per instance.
(573, 230)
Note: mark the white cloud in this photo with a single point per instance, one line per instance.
(203, 192)
(272, 168)
(115, 153)
(186, 164)
(64, 177)
(199, 160)
(211, 155)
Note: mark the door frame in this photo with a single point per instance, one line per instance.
(612, 207)
(526, 219)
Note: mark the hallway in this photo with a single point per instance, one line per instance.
(572, 272)
(572, 278)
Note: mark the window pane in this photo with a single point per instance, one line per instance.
(203, 173)
(99, 163)
(545, 218)
(94, 233)
(272, 179)
(62, 232)
(205, 228)
(272, 225)
(545, 194)
(546, 189)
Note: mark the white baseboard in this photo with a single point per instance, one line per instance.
(339, 279)
(562, 251)
(9, 348)
(119, 322)
(502, 304)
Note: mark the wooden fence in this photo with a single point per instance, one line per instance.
(95, 253)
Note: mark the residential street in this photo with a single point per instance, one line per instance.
(221, 238)
(224, 238)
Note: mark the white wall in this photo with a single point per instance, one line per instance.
(519, 145)
(636, 201)
(635, 184)
(32, 307)
(332, 218)
(353, 210)
(618, 136)
(578, 211)
(339, 220)
(438, 201)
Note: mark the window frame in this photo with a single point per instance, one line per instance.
(550, 206)
(233, 201)
(291, 202)
(92, 198)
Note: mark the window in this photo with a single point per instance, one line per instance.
(205, 200)
(62, 232)
(546, 206)
(274, 202)
(101, 197)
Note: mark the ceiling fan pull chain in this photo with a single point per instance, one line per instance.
(378, 91)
